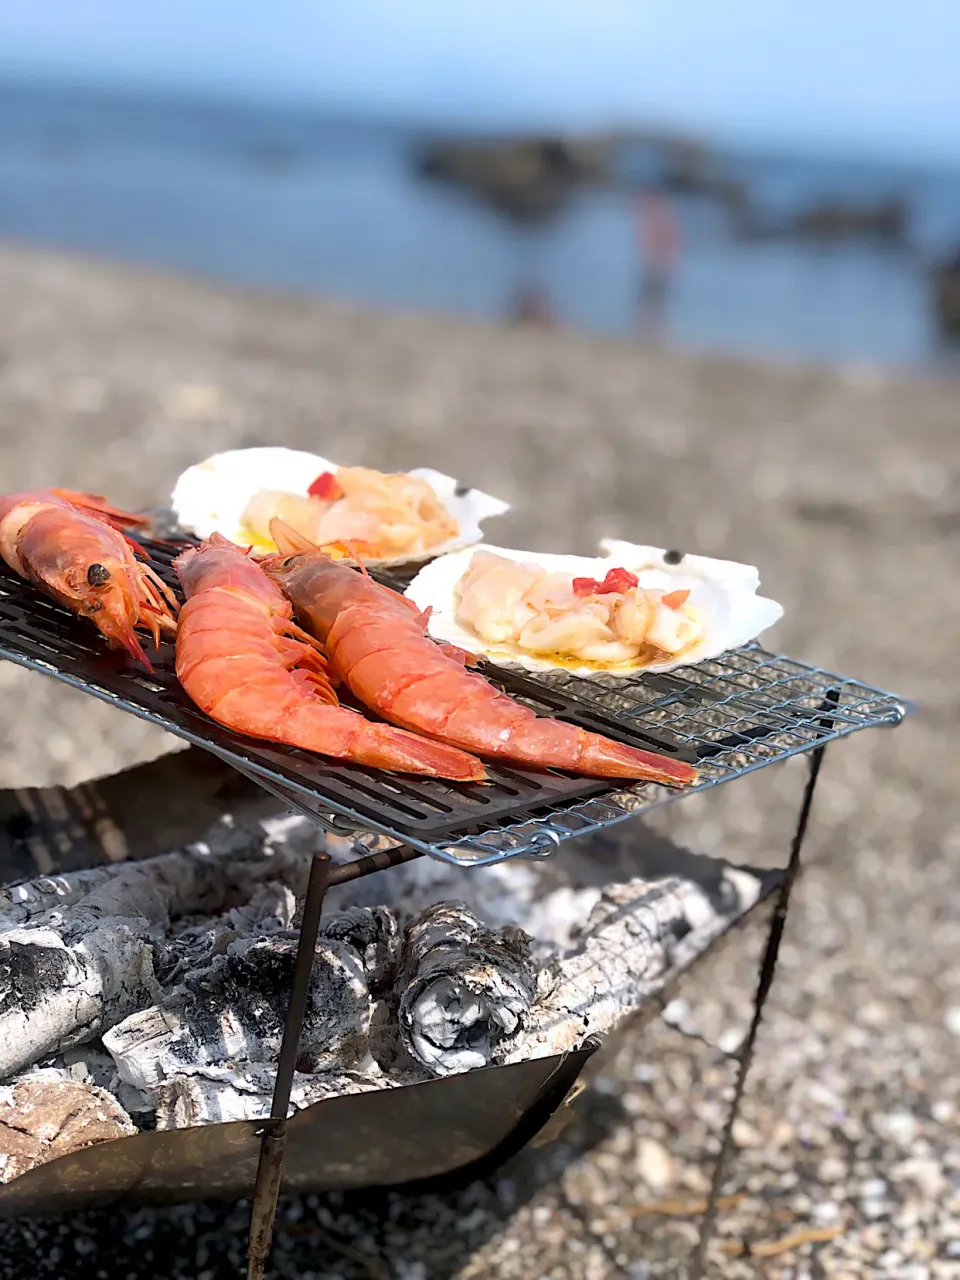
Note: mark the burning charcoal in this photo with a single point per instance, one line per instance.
(638, 935)
(44, 1116)
(270, 911)
(88, 952)
(53, 994)
(467, 990)
(375, 936)
(216, 1094)
(21, 903)
(233, 1010)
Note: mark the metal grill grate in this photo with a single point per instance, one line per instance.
(732, 715)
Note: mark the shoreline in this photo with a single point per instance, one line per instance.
(33, 255)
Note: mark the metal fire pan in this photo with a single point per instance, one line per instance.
(390, 1137)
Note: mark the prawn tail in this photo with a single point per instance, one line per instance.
(385, 747)
(542, 743)
(98, 506)
(603, 758)
(346, 735)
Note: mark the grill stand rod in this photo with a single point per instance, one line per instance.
(273, 1139)
(768, 965)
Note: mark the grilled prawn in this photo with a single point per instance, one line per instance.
(376, 644)
(243, 660)
(72, 547)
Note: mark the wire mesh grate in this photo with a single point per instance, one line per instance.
(737, 713)
(732, 715)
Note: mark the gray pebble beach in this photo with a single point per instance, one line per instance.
(844, 487)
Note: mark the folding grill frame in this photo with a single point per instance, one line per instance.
(731, 715)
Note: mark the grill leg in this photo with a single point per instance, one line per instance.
(768, 966)
(270, 1169)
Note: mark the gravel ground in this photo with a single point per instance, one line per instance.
(843, 487)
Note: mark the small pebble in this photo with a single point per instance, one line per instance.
(654, 1164)
(746, 1134)
(874, 1189)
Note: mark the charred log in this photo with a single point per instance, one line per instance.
(466, 989)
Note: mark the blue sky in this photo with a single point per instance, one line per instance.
(874, 75)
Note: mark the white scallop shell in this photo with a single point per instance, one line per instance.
(213, 495)
(726, 592)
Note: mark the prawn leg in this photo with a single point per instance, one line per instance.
(311, 665)
(458, 655)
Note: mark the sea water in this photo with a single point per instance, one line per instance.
(286, 200)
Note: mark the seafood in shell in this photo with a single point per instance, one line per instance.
(390, 518)
(635, 609)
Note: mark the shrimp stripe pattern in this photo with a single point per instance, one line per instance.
(376, 644)
(71, 546)
(243, 660)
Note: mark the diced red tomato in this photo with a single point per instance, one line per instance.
(616, 582)
(675, 599)
(326, 488)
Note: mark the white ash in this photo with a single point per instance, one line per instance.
(218, 1094)
(21, 903)
(638, 934)
(233, 1009)
(374, 934)
(91, 953)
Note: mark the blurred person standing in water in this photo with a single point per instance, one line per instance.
(532, 306)
(658, 238)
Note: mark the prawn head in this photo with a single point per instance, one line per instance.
(106, 590)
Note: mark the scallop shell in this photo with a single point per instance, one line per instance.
(724, 590)
(213, 495)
